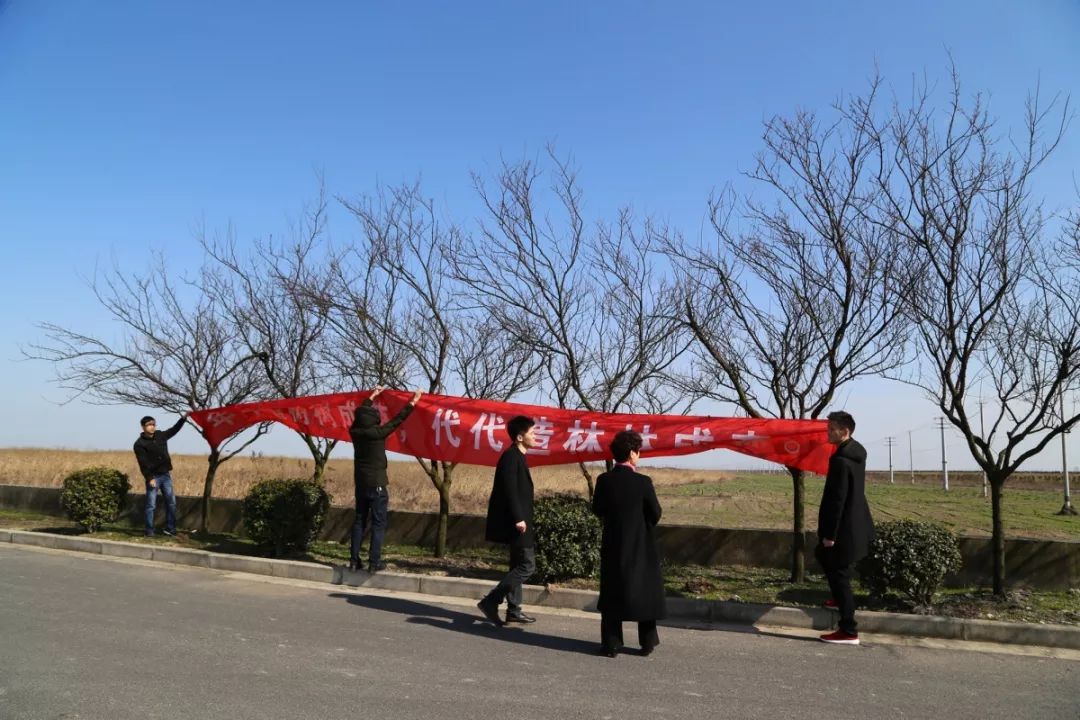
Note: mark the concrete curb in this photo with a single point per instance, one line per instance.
(686, 609)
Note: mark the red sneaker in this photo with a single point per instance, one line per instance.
(830, 603)
(840, 638)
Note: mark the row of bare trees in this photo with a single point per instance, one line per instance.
(880, 239)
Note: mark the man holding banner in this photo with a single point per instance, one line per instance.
(369, 477)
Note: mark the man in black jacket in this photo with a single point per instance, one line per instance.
(369, 477)
(510, 521)
(152, 452)
(845, 527)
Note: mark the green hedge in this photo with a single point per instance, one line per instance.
(567, 538)
(94, 496)
(285, 514)
(910, 558)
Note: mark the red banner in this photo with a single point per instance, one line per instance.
(456, 429)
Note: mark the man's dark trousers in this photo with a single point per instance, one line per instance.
(522, 566)
(373, 501)
(163, 481)
(838, 573)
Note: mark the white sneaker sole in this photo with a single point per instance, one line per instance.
(841, 642)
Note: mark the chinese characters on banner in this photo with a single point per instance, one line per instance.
(455, 429)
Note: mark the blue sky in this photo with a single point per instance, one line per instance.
(124, 125)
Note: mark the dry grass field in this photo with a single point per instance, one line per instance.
(714, 498)
(410, 488)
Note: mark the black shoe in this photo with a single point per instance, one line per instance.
(520, 617)
(647, 651)
(491, 612)
(608, 652)
(148, 533)
(170, 533)
(376, 566)
(354, 566)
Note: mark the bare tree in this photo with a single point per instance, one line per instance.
(991, 306)
(1065, 284)
(403, 243)
(410, 304)
(591, 304)
(361, 305)
(796, 297)
(266, 292)
(178, 352)
(489, 363)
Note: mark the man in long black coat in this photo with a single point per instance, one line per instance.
(369, 477)
(510, 521)
(631, 586)
(845, 527)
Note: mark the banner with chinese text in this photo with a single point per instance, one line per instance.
(457, 429)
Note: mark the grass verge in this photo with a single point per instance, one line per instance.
(764, 501)
(721, 582)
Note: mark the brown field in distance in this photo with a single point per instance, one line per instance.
(412, 490)
(713, 498)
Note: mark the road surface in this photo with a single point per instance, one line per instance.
(86, 637)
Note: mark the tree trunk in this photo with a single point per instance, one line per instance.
(212, 463)
(444, 518)
(444, 507)
(998, 537)
(441, 476)
(588, 479)
(319, 456)
(320, 468)
(798, 532)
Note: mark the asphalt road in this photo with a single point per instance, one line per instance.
(84, 637)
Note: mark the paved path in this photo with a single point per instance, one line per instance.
(84, 637)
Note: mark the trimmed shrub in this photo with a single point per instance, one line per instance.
(285, 514)
(910, 558)
(94, 496)
(567, 538)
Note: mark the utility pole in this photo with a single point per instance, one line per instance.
(944, 461)
(982, 432)
(910, 458)
(1066, 508)
(890, 441)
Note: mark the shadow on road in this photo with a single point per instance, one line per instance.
(470, 624)
(807, 636)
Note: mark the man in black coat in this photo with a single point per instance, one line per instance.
(369, 477)
(631, 585)
(845, 527)
(152, 453)
(510, 521)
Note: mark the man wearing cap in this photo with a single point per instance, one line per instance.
(152, 452)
